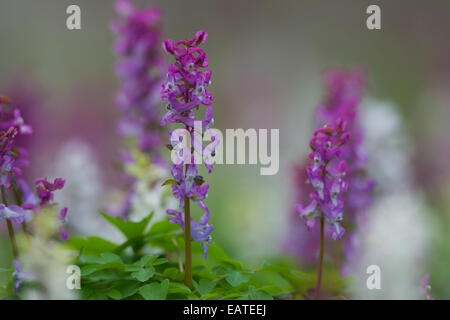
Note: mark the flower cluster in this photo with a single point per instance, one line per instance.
(45, 195)
(27, 203)
(140, 68)
(185, 90)
(12, 158)
(344, 92)
(343, 96)
(327, 174)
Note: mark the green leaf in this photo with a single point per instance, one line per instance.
(217, 253)
(109, 257)
(169, 182)
(285, 271)
(132, 268)
(175, 287)
(205, 286)
(255, 294)
(5, 270)
(212, 295)
(129, 229)
(114, 294)
(87, 270)
(236, 278)
(173, 273)
(159, 261)
(104, 275)
(235, 295)
(91, 245)
(144, 274)
(128, 288)
(161, 229)
(220, 271)
(145, 260)
(155, 291)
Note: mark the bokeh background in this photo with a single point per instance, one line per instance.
(266, 57)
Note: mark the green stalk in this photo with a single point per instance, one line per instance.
(18, 197)
(187, 244)
(319, 270)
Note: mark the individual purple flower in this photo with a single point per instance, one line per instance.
(200, 231)
(45, 189)
(17, 275)
(13, 212)
(326, 174)
(20, 275)
(184, 91)
(426, 287)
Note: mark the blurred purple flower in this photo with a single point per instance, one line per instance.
(45, 189)
(343, 96)
(17, 275)
(140, 67)
(426, 287)
(12, 158)
(14, 213)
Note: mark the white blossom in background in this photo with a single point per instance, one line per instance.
(397, 232)
(150, 197)
(45, 261)
(83, 192)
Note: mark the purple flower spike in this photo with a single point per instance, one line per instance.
(140, 67)
(185, 90)
(326, 174)
(344, 91)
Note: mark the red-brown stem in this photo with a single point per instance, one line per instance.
(319, 270)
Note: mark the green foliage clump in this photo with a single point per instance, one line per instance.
(148, 265)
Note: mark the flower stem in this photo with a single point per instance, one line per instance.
(319, 270)
(18, 197)
(187, 244)
(10, 227)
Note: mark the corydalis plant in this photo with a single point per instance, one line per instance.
(185, 91)
(344, 92)
(140, 67)
(326, 174)
(12, 160)
(27, 203)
